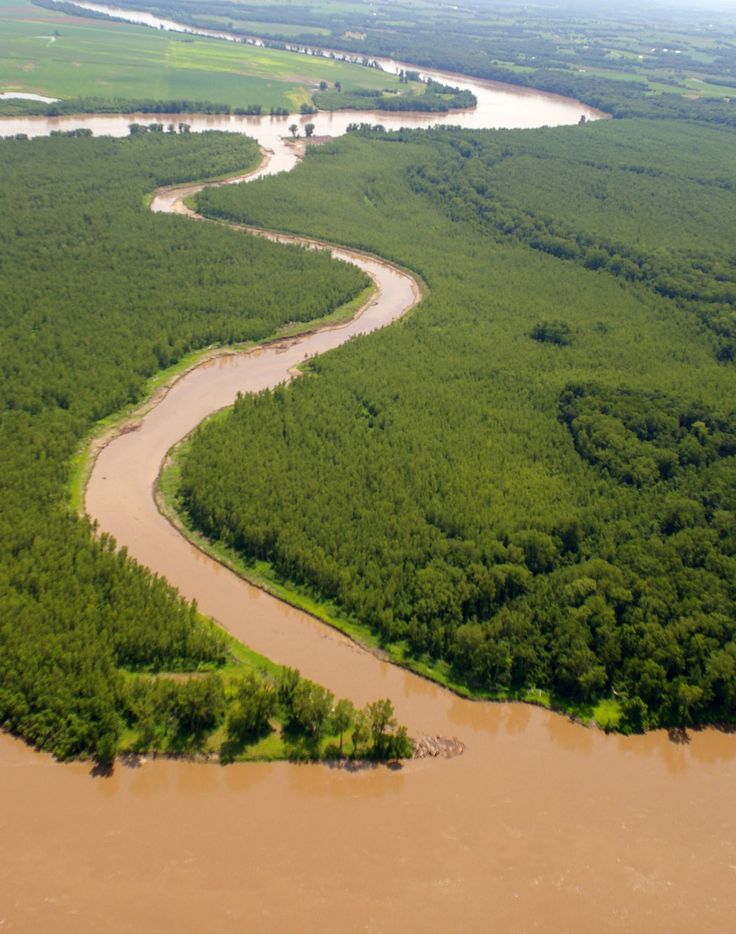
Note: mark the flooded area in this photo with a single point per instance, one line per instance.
(499, 105)
(541, 825)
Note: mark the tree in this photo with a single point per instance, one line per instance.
(289, 678)
(309, 129)
(361, 731)
(312, 707)
(251, 714)
(399, 744)
(380, 720)
(342, 717)
(293, 129)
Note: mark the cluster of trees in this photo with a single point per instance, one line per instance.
(435, 98)
(96, 295)
(312, 713)
(137, 128)
(513, 513)
(643, 437)
(552, 332)
(118, 105)
(228, 713)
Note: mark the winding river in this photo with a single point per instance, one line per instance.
(540, 825)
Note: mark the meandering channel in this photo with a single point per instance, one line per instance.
(540, 825)
(119, 493)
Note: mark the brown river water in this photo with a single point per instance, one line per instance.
(541, 825)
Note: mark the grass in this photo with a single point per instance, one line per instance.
(118, 60)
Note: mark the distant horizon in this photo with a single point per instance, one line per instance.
(599, 6)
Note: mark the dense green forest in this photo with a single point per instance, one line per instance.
(528, 484)
(96, 295)
(524, 489)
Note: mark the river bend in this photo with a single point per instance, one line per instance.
(541, 825)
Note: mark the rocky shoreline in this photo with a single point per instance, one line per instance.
(434, 747)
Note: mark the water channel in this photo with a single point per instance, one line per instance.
(541, 824)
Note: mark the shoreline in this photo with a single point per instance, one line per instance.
(602, 716)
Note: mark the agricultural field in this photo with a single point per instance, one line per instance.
(616, 61)
(52, 54)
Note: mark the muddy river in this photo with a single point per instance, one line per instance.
(540, 825)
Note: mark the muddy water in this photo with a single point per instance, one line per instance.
(541, 825)
(499, 105)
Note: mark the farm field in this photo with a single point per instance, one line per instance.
(615, 62)
(52, 54)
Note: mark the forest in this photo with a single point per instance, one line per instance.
(526, 488)
(96, 295)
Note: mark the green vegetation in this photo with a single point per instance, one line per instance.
(98, 295)
(429, 97)
(100, 65)
(631, 60)
(511, 515)
(255, 711)
(526, 490)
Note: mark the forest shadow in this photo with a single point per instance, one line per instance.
(678, 735)
(102, 770)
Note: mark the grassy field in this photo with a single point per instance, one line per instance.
(55, 55)
(676, 53)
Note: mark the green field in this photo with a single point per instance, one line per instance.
(55, 55)
(589, 54)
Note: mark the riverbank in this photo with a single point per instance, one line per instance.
(604, 715)
(538, 819)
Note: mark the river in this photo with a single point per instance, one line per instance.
(540, 825)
